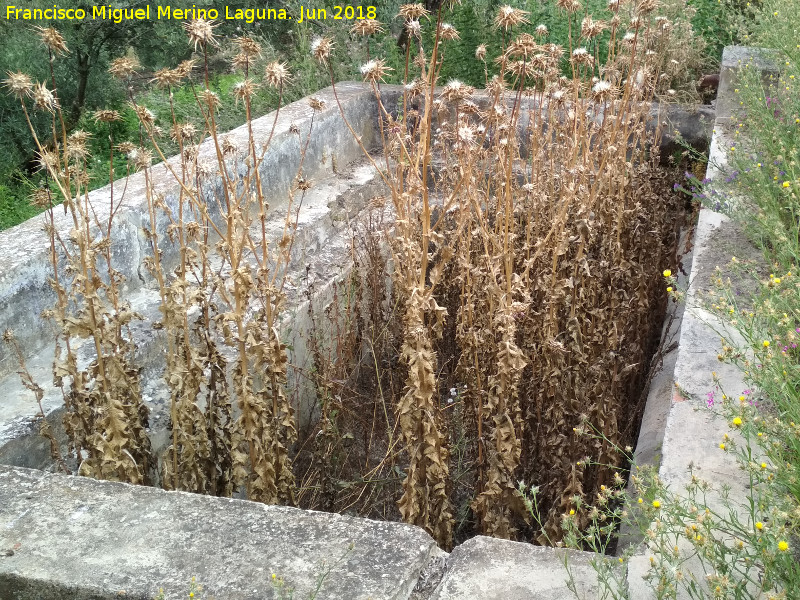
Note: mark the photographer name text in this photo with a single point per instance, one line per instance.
(169, 13)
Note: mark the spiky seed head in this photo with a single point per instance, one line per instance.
(587, 26)
(415, 88)
(182, 131)
(43, 99)
(465, 135)
(106, 115)
(480, 52)
(18, 84)
(47, 160)
(143, 158)
(414, 28)
(557, 95)
(185, 68)
(41, 198)
(241, 62)
(581, 56)
(602, 90)
(76, 146)
(276, 74)
(321, 49)
(210, 99)
(413, 11)
(248, 46)
(449, 32)
(496, 86)
(455, 91)
(126, 147)
(541, 30)
(375, 70)
(144, 114)
(228, 146)
(570, 6)
(316, 103)
(166, 78)
(367, 27)
(521, 68)
(645, 7)
(554, 50)
(8, 336)
(244, 90)
(52, 39)
(524, 46)
(124, 67)
(508, 16)
(201, 31)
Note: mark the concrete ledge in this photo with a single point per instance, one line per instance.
(694, 425)
(489, 569)
(73, 538)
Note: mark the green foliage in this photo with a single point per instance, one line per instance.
(722, 22)
(14, 206)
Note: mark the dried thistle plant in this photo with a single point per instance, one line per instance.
(538, 200)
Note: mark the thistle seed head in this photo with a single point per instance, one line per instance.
(316, 103)
(375, 70)
(570, 6)
(508, 16)
(106, 116)
(248, 46)
(210, 99)
(449, 32)
(43, 99)
(201, 32)
(414, 28)
(413, 11)
(367, 27)
(166, 78)
(243, 90)
(18, 84)
(276, 74)
(124, 67)
(455, 91)
(52, 39)
(321, 49)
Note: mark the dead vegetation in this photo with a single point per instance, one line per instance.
(513, 300)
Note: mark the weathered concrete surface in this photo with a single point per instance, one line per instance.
(73, 538)
(734, 58)
(490, 569)
(694, 424)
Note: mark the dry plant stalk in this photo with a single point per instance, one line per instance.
(539, 200)
(227, 288)
(220, 303)
(105, 417)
